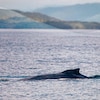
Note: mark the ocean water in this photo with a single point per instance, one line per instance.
(25, 53)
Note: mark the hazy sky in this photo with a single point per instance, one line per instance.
(34, 4)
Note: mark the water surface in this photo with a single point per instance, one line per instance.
(26, 53)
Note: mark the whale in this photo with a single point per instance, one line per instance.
(72, 73)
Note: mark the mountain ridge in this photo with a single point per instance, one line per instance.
(36, 20)
(60, 24)
(78, 12)
(12, 19)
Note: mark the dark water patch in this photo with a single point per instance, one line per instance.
(31, 68)
(95, 77)
(5, 60)
(10, 78)
(14, 76)
(4, 80)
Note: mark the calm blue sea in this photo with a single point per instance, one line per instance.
(26, 53)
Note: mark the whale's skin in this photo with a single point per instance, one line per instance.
(73, 73)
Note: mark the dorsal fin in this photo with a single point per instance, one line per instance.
(73, 71)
